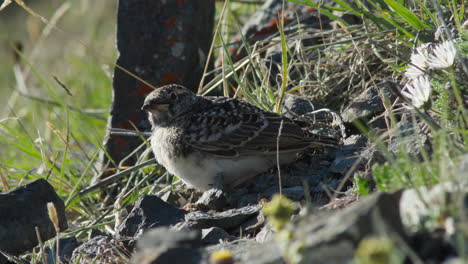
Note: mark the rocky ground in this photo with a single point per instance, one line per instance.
(321, 216)
(328, 223)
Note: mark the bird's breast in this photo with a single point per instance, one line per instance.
(167, 145)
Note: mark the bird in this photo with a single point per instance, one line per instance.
(203, 139)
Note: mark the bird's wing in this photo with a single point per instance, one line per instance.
(231, 128)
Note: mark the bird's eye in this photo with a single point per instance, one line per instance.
(173, 96)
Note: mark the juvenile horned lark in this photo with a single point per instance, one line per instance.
(197, 138)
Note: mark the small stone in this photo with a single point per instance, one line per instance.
(149, 212)
(173, 198)
(226, 220)
(162, 245)
(213, 199)
(265, 235)
(332, 237)
(295, 193)
(408, 138)
(249, 251)
(100, 249)
(66, 247)
(295, 105)
(214, 235)
(25, 208)
(368, 104)
(348, 154)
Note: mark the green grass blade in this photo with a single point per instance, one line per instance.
(411, 18)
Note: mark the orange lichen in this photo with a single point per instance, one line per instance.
(232, 50)
(170, 22)
(171, 42)
(120, 140)
(135, 118)
(125, 125)
(170, 77)
(180, 3)
(143, 89)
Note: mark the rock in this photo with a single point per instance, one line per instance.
(162, 245)
(173, 198)
(348, 154)
(295, 105)
(213, 199)
(408, 138)
(333, 237)
(432, 246)
(226, 220)
(463, 170)
(295, 193)
(267, 253)
(25, 208)
(149, 212)
(100, 249)
(249, 251)
(66, 247)
(214, 235)
(163, 42)
(242, 198)
(251, 226)
(265, 235)
(368, 104)
(319, 120)
(94, 232)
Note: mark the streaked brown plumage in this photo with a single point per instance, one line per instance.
(197, 138)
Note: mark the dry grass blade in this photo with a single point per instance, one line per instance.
(5, 4)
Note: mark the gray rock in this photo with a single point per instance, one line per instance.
(66, 247)
(173, 198)
(295, 105)
(214, 235)
(463, 171)
(163, 42)
(348, 154)
(226, 220)
(162, 245)
(94, 232)
(213, 199)
(242, 198)
(266, 253)
(408, 138)
(333, 238)
(251, 226)
(149, 212)
(25, 208)
(295, 193)
(265, 235)
(100, 249)
(249, 251)
(368, 104)
(319, 120)
(433, 246)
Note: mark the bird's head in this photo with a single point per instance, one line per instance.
(167, 102)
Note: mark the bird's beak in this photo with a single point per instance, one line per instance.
(146, 107)
(155, 104)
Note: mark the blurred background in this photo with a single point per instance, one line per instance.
(77, 49)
